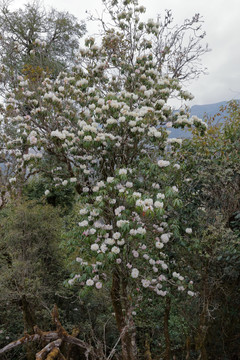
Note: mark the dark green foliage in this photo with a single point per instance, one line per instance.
(210, 189)
(30, 265)
(62, 198)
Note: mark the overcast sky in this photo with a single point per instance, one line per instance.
(221, 23)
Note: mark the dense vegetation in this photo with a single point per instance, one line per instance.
(116, 242)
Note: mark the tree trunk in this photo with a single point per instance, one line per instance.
(203, 323)
(147, 354)
(28, 316)
(125, 322)
(166, 329)
(29, 322)
(188, 346)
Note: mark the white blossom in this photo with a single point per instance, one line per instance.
(89, 282)
(115, 250)
(158, 204)
(122, 171)
(94, 247)
(134, 273)
(110, 241)
(163, 163)
(98, 285)
(83, 223)
(165, 238)
(110, 180)
(73, 179)
(83, 211)
(116, 235)
(12, 180)
(160, 196)
(159, 245)
(145, 283)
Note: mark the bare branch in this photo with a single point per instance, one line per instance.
(52, 348)
(46, 336)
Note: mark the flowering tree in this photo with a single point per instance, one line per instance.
(105, 125)
(33, 39)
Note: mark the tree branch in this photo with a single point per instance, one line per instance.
(52, 348)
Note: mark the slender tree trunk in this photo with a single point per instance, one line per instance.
(147, 354)
(28, 316)
(188, 345)
(203, 323)
(124, 319)
(29, 322)
(166, 329)
(201, 336)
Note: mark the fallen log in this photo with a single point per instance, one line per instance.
(54, 339)
(52, 348)
(46, 336)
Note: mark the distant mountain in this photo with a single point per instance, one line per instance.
(209, 109)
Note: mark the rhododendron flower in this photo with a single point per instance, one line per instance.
(123, 172)
(134, 273)
(115, 250)
(98, 285)
(145, 283)
(94, 247)
(163, 163)
(89, 282)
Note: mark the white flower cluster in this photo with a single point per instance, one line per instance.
(140, 231)
(154, 132)
(40, 42)
(27, 157)
(58, 134)
(174, 141)
(119, 210)
(163, 163)
(52, 97)
(178, 276)
(194, 120)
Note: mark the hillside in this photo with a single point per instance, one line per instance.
(209, 109)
